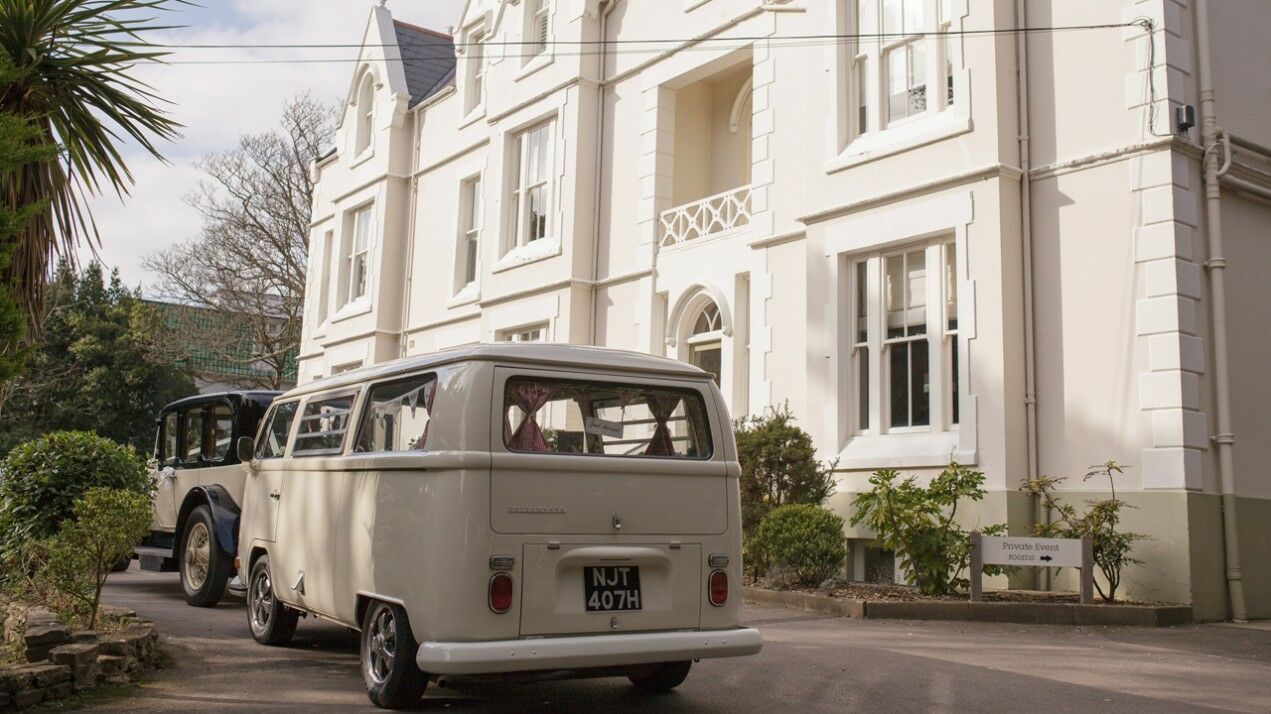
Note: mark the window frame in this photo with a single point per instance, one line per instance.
(698, 391)
(267, 422)
(521, 185)
(294, 439)
(537, 31)
(475, 68)
(468, 255)
(364, 127)
(364, 410)
(943, 345)
(354, 253)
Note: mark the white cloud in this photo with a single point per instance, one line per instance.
(218, 103)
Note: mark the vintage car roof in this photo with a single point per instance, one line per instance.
(539, 354)
(259, 396)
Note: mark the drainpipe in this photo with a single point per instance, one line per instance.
(1215, 267)
(608, 6)
(1040, 513)
(412, 185)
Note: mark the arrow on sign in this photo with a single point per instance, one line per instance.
(1046, 558)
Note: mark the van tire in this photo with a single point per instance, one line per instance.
(271, 622)
(204, 566)
(664, 678)
(393, 680)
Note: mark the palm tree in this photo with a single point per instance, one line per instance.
(73, 62)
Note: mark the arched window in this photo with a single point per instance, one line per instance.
(705, 342)
(365, 113)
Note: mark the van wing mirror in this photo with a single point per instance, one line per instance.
(246, 449)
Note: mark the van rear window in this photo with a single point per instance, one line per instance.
(604, 419)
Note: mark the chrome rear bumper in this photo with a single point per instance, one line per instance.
(584, 651)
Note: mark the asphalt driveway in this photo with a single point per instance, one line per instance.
(809, 664)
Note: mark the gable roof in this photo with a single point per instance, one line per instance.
(428, 59)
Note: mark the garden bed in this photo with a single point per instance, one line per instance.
(46, 659)
(897, 602)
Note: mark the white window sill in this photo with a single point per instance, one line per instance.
(534, 65)
(898, 138)
(690, 5)
(367, 154)
(360, 306)
(531, 252)
(902, 451)
(476, 114)
(467, 295)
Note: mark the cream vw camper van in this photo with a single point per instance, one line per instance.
(504, 510)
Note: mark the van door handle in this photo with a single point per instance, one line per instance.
(275, 495)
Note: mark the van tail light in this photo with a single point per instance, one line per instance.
(718, 588)
(500, 593)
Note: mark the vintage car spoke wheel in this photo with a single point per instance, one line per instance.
(271, 621)
(205, 568)
(393, 680)
(663, 678)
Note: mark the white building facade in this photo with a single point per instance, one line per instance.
(929, 235)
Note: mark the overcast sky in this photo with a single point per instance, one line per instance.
(217, 103)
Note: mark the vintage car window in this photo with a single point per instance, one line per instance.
(170, 446)
(323, 425)
(221, 423)
(273, 438)
(396, 416)
(192, 438)
(604, 419)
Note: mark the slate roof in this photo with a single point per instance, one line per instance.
(428, 58)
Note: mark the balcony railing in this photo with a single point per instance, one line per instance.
(707, 217)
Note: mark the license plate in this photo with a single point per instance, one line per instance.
(611, 588)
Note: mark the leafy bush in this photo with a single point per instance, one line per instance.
(1111, 547)
(799, 544)
(77, 561)
(918, 523)
(778, 466)
(41, 480)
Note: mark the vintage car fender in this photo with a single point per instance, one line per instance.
(225, 513)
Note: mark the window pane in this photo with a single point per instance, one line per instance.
(359, 275)
(604, 419)
(362, 231)
(396, 416)
(892, 16)
(898, 386)
(222, 432)
(171, 438)
(193, 438)
(274, 437)
(323, 425)
(862, 386)
(862, 303)
(916, 292)
(919, 384)
(897, 93)
(915, 16)
(708, 358)
(950, 287)
(862, 95)
(917, 77)
(953, 378)
(470, 269)
(538, 214)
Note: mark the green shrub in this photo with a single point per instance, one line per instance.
(778, 466)
(1111, 547)
(77, 561)
(799, 544)
(918, 524)
(41, 479)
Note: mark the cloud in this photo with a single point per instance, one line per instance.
(218, 103)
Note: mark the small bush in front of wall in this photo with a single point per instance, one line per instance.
(778, 466)
(799, 544)
(1112, 547)
(44, 477)
(919, 524)
(77, 561)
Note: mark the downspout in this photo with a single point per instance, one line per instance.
(1215, 267)
(413, 187)
(600, 164)
(1041, 514)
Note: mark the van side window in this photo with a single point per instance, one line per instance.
(192, 439)
(323, 425)
(273, 438)
(604, 419)
(396, 416)
(221, 422)
(171, 445)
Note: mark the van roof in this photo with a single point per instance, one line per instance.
(539, 354)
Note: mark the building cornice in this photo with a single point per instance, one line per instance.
(980, 174)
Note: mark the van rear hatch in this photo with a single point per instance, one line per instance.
(597, 456)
